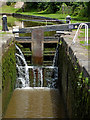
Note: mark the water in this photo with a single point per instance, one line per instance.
(36, 94)
(23, 74)
(38, 76)
(36, 103)
(55, 57)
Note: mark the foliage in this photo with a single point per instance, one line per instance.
(80, 10)
(51, 8)
(28, 6)
(8, 3)
(77, 10)
(74, 85)
(8, 75)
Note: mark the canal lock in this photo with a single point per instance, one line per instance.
(41, 80)
(38, 76)
(67, 83)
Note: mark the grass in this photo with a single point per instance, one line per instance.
(8, 9)
(4, 32)
(78, 18)
(82, 42)
(54, 15)
(11, 20)
(0, 27)
(82, 34)
(11, 9)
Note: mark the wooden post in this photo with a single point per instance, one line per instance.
(4, 23)
(37, 46)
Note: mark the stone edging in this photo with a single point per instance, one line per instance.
(78, 55)
(7, 44)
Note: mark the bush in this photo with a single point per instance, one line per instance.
(8, 3)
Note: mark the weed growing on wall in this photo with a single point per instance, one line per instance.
(8, 75)
(73, 84)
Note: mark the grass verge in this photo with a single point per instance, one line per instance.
(82, 38)
(8, 9)
(54, 15)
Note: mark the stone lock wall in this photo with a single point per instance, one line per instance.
(73, 83)
(8, 74)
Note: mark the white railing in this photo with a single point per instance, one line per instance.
(86, 33)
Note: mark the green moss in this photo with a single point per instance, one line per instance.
(73, 85)
(8, 75)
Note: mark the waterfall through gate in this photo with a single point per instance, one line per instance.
(22, 70)
(35, 76)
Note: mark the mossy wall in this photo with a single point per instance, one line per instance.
(73, 85)
(8, 75)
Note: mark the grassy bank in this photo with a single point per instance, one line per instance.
(8, 9)
(57, 16)
(82, 38)
(11, 9)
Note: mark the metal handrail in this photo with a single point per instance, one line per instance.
(86, 33)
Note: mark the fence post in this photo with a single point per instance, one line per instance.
(4, 23)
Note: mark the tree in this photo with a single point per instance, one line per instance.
(30, 5)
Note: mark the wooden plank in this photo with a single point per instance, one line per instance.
(37, 46)
(18, 41)
(60, 27)
(45, 28)
(50, 41)
(49, 54)
(23, 38)
(28, 40)
(63, 32)
(49, 51)
(27, 51)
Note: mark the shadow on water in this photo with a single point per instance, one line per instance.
(59, 107)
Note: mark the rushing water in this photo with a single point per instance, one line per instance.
(23, 74)
(36, 75)
(36, 94)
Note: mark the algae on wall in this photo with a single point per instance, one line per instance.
(8, 75)
(73, 85)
